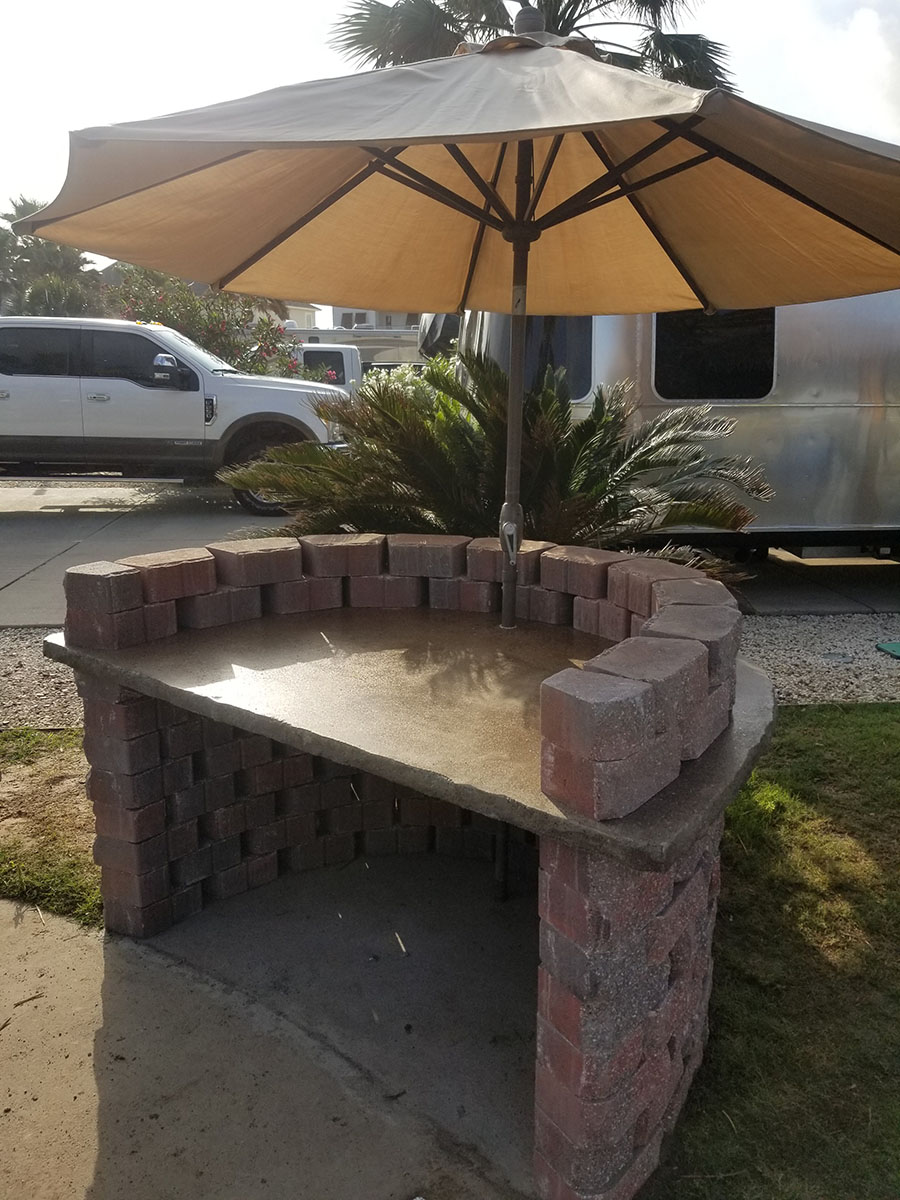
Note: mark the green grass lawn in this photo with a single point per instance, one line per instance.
(799, 1094)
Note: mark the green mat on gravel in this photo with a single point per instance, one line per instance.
(892, 648)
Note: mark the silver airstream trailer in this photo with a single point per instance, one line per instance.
(815, 390)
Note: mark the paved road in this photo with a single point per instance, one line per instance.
(48, 525)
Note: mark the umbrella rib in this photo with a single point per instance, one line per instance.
(479, 234)
(543, 177)
(411, 178)
(35, 225)
(488, 190)
(625, 189)
(599, 149)
(612, 178)
(360, 177)
(750, 168)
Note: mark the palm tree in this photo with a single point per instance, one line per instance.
(33, 265)
(427, 454)
(638, 34)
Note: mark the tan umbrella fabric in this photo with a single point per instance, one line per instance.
(281, 194)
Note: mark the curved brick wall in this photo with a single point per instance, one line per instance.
(189, 811)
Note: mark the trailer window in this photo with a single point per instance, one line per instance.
(549, 342)
(728, 356)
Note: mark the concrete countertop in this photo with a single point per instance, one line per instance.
(444, 703)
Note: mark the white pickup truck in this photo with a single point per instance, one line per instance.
(90, 394)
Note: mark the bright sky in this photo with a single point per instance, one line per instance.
(101, 61)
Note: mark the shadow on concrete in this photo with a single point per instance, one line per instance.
(374, 1038)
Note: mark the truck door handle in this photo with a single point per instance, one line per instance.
(4, 395)
(98, 396)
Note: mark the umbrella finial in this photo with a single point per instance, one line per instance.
(528, 19)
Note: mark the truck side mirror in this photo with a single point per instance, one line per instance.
(165, 372)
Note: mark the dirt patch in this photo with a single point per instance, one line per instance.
(47, 798)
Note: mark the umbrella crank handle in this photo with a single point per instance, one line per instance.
(510, 532)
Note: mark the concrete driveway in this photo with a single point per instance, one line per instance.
(49, 525)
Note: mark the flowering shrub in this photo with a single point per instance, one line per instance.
(243, 330)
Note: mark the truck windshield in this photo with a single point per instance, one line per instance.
(180, 343)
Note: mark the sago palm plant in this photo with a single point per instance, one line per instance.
(427, 454)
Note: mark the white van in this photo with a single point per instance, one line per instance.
(91, 394)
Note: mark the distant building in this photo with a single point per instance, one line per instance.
(351, 318)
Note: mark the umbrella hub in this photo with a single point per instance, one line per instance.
(528, 19)
(521, 232)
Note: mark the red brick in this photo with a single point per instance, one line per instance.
(171, 714)
(385, 591)
(334, 554)
(379, 842)
(635, 625)
(262, 869)
(187, 902)
(325, 593)
(366, 591)
(267, 777)
(603, 791)
(224, 822)
(688, 903)
(436, 555)
(443, 594)
(263, 840)
(191, 868)
(303, 858)
(415, 839)
(300, 829)
(179, 740)
(129, 756)
(372, 788)
(478, 596)
(289, 597)
(246, 604)
(442, 813)
(599, 717)
(600, 617)
(129, 791)
(260, 810)
(578, 570)
(224, 759)
(135, 890)
(345, 818)
(676, 670)
(631, 581)
(549, 607)
(130, 824)
(484, 560)
(337, 792)
(253, 561)
(297, 768)
(182, 839)
(690, 591)
(225, 606)
(404, 591)
(625, 898)
(138, 922)
(255, 750)
(186, 805)
(709, 720)
(104, 689)
(172, 574)
(378, 814)
(589, 1170)
(226, 853)
(222, 884)
(216, 733)
(160, 620)
(413, 808)
(219, 792)
(129, 720)
(136, 857)
(305, 799)
(102, 587)
(178, 774)
(104, 631)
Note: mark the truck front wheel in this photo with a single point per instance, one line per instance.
(247, 450)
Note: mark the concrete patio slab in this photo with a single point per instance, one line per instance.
(134, 1071)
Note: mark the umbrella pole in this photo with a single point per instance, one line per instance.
(511, 515)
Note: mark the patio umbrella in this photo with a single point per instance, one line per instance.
(522, 176)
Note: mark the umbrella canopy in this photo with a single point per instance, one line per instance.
(523, 176)
(657, 196)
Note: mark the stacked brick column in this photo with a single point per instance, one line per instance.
(624, 983)
(190, 811)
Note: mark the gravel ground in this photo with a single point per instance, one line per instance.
(811, 660)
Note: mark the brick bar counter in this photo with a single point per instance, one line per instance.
(247, 713)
